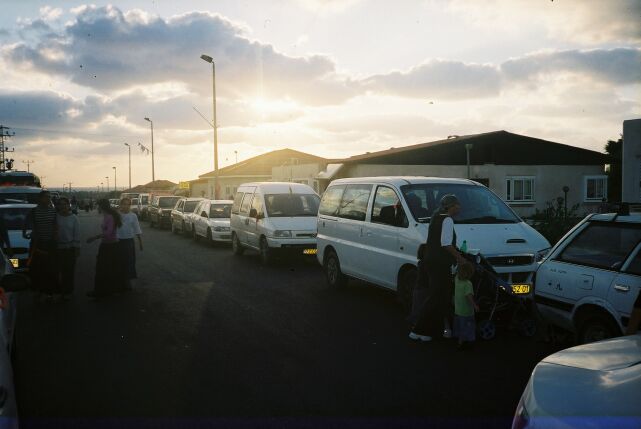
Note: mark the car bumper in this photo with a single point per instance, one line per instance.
(222, 236)
(293, 245)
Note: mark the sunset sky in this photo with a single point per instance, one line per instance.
(331, 78)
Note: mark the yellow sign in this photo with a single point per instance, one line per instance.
(183, 185)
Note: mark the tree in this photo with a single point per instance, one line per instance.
(614, 150)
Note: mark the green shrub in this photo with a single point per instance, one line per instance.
(554, 222)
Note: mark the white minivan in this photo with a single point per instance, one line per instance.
(274, 217)
(372, 229)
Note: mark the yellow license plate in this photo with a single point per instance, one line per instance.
(14, 262)
(521, 289)
(309, 251)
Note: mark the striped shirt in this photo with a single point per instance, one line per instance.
(44, 223)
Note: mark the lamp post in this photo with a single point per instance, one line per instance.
(468, 147)
(115, 179)
(129, 147)
(101, 187)
(28, 162)
(215, 125)
(153, 171)
(107, 177)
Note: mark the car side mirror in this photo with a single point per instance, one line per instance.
(253, 213)
(203, 214)
(14, 282)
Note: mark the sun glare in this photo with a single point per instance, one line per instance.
(267, 106)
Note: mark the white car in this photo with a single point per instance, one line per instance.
(595, 385)
(372, 229)
(211, 220)
(181, 215)
(589, 281)
(14, 216)
(274, 217)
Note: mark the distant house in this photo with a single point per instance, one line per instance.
(256, 169)
(157, 186)
(526, 172)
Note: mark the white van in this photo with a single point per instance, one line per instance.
(271, 217)
(372, 228)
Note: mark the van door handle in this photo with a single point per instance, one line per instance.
(622, 288)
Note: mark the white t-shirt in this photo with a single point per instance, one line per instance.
(130, 226)
(447, 232)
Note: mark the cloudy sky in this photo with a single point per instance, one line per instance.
(329, 77)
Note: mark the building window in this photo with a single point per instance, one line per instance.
(596, 188)
(519, 189)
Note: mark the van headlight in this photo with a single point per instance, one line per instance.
(282, 233)
(541, 254)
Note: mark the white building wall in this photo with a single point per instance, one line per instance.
(301, 173)
(549, 180)
(631, 163)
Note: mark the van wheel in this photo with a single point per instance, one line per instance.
(405, 288)
(210, 240)
(236, 247)
(335, 277)
(266, 254)
(196, 236)
(597, 326)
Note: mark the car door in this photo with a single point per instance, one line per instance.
(177, 213)
(626, 286)
(352, 212)
(243, 217)
(252, 222)
(381, 237)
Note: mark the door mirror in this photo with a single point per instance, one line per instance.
(253, 213)
(203, 214)
(14, 282)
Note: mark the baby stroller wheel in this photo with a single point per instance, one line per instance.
(487, 329)
(528, 328)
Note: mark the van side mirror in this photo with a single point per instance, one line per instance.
(203, 214)
(14, 282)
(253, 213)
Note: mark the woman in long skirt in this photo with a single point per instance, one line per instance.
(68, 247)
(130, 228)
(109, 271)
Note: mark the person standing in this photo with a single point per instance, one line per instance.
(464, 306)
(109, 271)
(440, 254)
(130, 228)
(68, 247)
(42, 222)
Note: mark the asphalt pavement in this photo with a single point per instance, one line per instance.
(209, 339)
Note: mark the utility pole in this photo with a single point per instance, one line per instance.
(115, 179)
(28, 162)
(107, 177)
(4, 134)
(69, 190)
(129, 147)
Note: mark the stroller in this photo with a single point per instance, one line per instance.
(501, 303)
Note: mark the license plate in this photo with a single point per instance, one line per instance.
(14, 262)
(521, 289)
(309, 251)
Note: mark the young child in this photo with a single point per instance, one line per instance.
(464, 305)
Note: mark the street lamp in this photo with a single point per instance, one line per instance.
(129, 147)
(115, 180)
(107, 177)
(236, 153)
(213, 80)
(468, 147)
(153, 172)
(102, 187)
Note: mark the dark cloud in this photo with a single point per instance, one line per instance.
(618, 66)
(106, 49)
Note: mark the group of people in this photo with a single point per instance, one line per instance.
(54, 232)
(443, 300)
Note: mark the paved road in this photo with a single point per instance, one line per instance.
(210, 339)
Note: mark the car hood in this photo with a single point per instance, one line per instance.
(219, 222)
(597, 380)
(302, 223)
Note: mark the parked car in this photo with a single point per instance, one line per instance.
(184, 208)
(274, 217)
(590, 279)
(114, 202)
(134, 206)
(590, 386)
(14, 216)
(372, 229)
(212, 220)
(10, 284)
(159, 210)
(143, 206)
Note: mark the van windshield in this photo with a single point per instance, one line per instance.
(168, 202)
(478, 204)
(291, 205)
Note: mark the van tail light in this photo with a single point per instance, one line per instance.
(521, 418)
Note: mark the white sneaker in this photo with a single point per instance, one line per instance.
(447, 333)
(414, 336)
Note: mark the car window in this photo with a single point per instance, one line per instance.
(354, 202)
(167, 202)
(180, 205)
(257, 204)
(190, 206)
(244, 206)
(331, 200)
(602, 245)
(387, 208)
(635, 265)
(238, 198)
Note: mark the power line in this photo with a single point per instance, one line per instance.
(46, 130)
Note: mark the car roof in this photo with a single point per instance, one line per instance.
(406, 180)
(613, 217)
(280, 187)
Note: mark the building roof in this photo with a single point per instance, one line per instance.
(497, 147)
(157, 184)
(261, 165)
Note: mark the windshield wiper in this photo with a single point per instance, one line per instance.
(486, 219)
